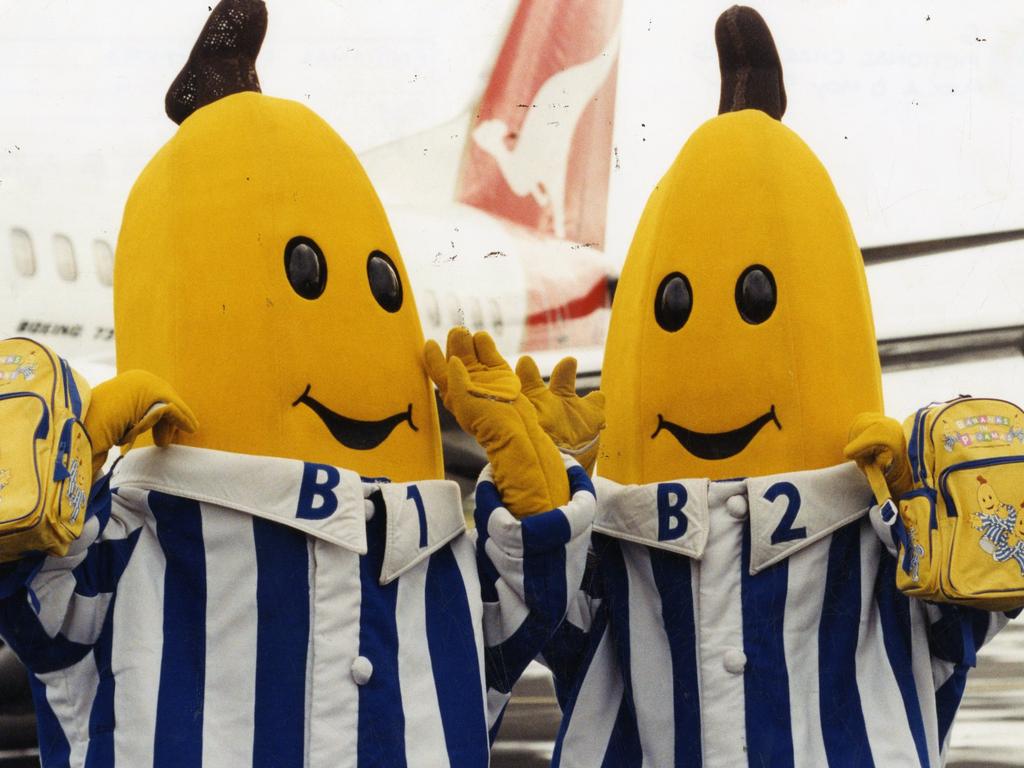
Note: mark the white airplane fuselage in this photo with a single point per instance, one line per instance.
(466, 267)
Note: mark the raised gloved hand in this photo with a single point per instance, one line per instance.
(574, 423)
(879, 447)
(128, 405)
(485, 396)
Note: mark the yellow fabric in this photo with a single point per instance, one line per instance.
(131, 404)
(202, 300)
(45, 453)
(964, 516)
(485, 396)
(877, 443)
(574, 423)
(744, 190)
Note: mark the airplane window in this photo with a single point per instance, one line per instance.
(497, 321)
(433, 309)
(24, 255)
(476, 314)
(103, 256)
(64, 255)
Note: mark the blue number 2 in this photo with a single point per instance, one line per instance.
(413, 494)
(785, 530)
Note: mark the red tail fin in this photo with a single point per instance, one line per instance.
(540, 146)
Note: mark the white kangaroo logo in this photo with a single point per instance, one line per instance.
(539, 163)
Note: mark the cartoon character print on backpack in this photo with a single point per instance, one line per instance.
(916, 553)
(13, 367)
(76, 489)
(1001, 526)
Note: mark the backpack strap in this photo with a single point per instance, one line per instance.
(60, 471)
(970, 647)
(876, 478)
(890, 514)
(73, 394)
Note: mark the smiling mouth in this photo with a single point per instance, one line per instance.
(354, 433)
(717, 445)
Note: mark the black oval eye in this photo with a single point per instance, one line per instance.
(673, 302)
(756, 294)
(385, 284)
(306, 267)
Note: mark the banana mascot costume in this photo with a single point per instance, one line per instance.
(257, 592)
(742, 607)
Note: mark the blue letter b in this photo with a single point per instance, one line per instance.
(671, 520)
(312, 489)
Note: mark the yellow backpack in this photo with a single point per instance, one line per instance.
(960, 530)
(45, 453)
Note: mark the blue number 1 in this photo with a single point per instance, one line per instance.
(413, 493)
(785, 530)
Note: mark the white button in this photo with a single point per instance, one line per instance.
(362, 670)
(734, 661)
(737, 506)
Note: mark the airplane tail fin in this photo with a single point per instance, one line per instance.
(540, 144)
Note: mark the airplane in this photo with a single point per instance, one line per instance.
(513, 246)
(488, 239)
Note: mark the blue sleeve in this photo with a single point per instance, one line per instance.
(530, 574)
(52, 608)
(569, 645)
(955, 635)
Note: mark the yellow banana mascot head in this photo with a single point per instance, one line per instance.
(257, 273)
(741, 339)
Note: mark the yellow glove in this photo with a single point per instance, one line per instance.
(484, 395)
(130, 404)
(573, 422)
(879, 447)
